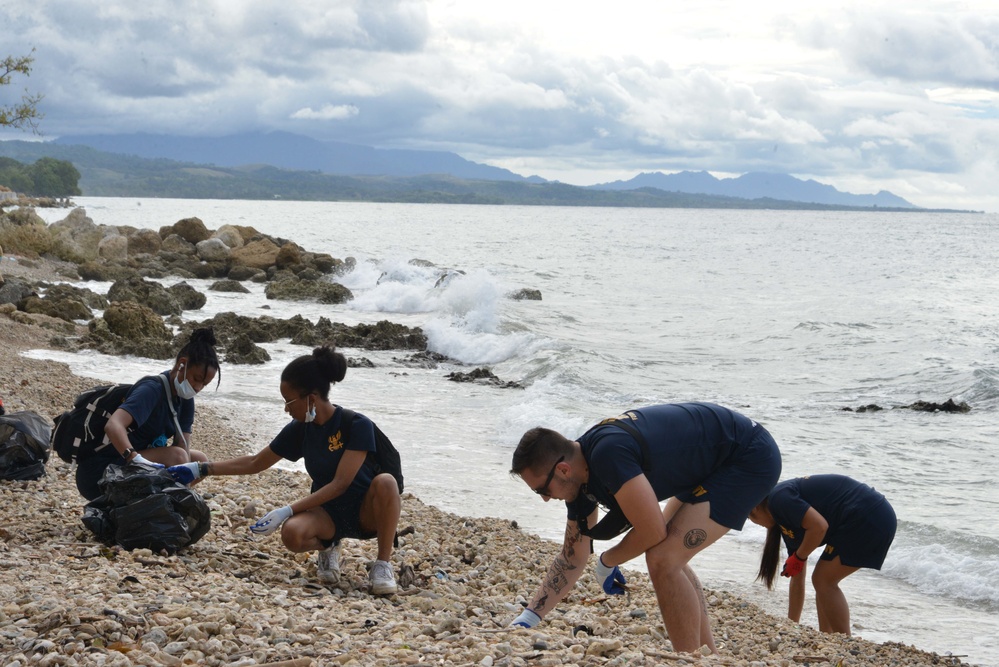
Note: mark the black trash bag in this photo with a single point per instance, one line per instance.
(24, 445)
(142, 507)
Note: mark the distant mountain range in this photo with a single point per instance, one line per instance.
(280, 164)
(293, 151)
(755, 185)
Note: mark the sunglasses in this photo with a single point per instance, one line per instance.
(543, 489)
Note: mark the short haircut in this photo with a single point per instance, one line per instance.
(540, 448)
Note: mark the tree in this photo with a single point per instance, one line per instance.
(25, 113)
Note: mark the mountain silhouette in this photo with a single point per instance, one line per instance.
(756, 185)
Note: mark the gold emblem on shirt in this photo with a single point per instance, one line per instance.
(788, 533)
(699, 491)
(336, 442)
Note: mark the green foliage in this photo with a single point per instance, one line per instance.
(47, 177)
(24, 113)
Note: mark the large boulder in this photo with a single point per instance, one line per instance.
(105, 272)
(242, 350)
(14, 291)
(229, 235)
(213, 250)
(75, 238)
(23, 232)
(240, 272)
(177, 244)
(228, 285)
(288, 256)
(258, 254)
(192, 230)
(293, 289)
(187, 297)
(88, 297)
(64, 309)
(134, 321)
(144, 242)
(113, 248)
(147, 292)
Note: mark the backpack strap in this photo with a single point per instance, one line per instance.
(614, 522)
(173, 412)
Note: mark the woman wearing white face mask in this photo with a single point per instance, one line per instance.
(144, 429)
(349, 496)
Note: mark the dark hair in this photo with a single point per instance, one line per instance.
(771, 550)
(316, 372)
(540, 448)
(200, 351)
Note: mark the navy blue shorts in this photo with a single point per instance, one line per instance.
(737, 486)
(345, 512)
(865, 539)
(90, 469)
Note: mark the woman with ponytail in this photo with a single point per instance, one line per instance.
(854, 522)
(349, 497)
(153, 424)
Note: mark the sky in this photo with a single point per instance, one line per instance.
(866, 96)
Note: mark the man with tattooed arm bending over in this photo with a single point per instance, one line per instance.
(713, 465)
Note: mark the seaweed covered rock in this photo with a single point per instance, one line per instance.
(147, 292)
(294, 289)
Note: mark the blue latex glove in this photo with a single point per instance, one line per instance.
(141, 460)
(185, 473)
(610, 578)
(272, 521)
(527, 619)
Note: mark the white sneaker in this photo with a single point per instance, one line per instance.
(328, 564)
(382, 578)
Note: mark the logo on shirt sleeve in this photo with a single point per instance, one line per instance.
(788, 533)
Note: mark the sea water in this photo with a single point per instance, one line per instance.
(787, 316)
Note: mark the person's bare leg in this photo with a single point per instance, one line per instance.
(305, 532)
(705, 634)
(680, 601)
(830, 602)
(380, 512)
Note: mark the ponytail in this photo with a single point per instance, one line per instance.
(200, 351)
(316, 372)
(771, 550)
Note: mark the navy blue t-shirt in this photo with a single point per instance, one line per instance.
(151, 417)
(687, 442)
(842, 501)
(323, 446)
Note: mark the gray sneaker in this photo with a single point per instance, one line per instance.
(328, 564)
(382, 578)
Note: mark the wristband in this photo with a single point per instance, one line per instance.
(127, 454)
(203, 468)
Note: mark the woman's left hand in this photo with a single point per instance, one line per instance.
(272, 521)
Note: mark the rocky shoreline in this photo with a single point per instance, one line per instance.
(232, 599)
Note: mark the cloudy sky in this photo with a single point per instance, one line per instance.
(894, 95)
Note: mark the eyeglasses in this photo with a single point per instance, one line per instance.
(287, 403)
(543, 490)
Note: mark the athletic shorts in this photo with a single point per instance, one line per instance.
(739, 484)
(864, 542)
(345, 512)
(90, 469)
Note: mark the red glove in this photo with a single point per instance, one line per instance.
(793, 565)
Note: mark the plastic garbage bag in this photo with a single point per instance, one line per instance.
(24, 445)
(144, 507)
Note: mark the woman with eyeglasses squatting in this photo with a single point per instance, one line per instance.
(144, 429)
(349, 498)
(854, 522)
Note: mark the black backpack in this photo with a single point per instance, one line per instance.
(386, 456)
(80, 432)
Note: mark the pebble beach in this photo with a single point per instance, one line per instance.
(235, 599)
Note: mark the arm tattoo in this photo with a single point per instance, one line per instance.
(556, 580)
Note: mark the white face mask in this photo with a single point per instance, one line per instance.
(184, 389)
(310, 413)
